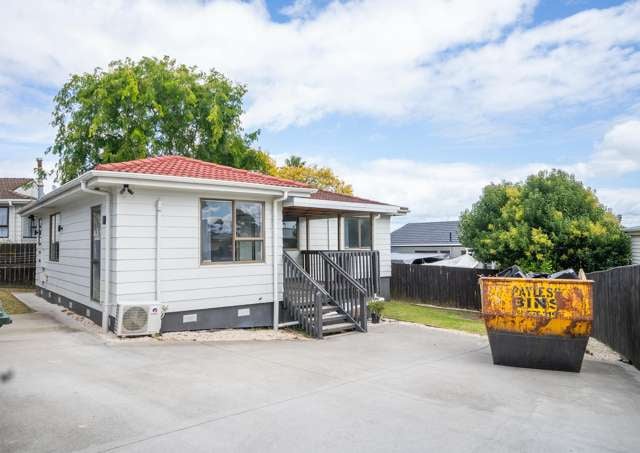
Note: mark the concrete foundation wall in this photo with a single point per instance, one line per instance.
(241, 316)
(72, 305)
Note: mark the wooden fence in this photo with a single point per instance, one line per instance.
(17, 264)
(437, 285)
(616, 310)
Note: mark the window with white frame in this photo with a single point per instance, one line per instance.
(54, 239)
(231, 231)
(29, 227)
(290, 232)
(4, 221)
(357, 232)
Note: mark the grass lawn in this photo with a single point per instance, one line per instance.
(467, 321)
(12, 305)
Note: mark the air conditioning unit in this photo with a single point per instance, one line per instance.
(138, 319)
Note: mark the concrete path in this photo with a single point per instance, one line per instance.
(399, 388)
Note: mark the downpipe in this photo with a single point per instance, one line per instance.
(274, 258)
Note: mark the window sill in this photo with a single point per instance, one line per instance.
(230, 263)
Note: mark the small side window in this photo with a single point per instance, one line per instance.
(54, 240)
(4, 222)
(357, 232)
(290, 233)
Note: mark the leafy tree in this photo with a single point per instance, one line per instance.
(294, 161)
(150, 107)
(318, 177)
(549, 222)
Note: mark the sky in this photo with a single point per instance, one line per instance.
(415, 103)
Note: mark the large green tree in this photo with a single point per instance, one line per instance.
(150, 107)
(549, 222)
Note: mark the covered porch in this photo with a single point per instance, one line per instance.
(337, 257)
(352, 231)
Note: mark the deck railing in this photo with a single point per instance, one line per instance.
(345, 291)
(303, 298)
(363, 266)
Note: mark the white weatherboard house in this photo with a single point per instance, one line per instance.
(172, 243)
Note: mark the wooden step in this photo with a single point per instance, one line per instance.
(325, 309)
(333, 318)
(335, 328)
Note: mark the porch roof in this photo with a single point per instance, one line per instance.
(324, 203)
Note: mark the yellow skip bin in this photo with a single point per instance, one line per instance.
(537, 323)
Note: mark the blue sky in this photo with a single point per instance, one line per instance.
(416, 103)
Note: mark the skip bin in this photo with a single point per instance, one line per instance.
(537, 323)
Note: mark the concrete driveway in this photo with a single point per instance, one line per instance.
(397, 388)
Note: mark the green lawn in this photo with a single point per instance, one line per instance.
(466, 321)
(12, 305)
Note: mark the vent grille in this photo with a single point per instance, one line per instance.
(134, 319)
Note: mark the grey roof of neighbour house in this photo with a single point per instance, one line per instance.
(425, 233)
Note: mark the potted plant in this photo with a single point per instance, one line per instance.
(376, 309)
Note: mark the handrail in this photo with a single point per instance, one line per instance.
(345, 292)
(303, 297)
(348, 277)
(363, 266)
(299, 268)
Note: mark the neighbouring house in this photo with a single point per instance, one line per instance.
(208, 246)
(15, 193)
(425, 242)
(634, 232)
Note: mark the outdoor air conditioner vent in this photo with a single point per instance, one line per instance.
(138, 319)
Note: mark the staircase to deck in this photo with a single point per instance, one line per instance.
(324, 299)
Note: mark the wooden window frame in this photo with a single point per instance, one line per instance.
(7, 224)
(234, 237)
(57, 256)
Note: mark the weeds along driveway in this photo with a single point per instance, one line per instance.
(398, 388)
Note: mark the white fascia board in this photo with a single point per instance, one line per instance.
(297, 202)
(635, 229)
(187, 183)
(38, 205)
(96, 177)
(15, 200)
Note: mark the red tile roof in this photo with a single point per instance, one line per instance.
(332, 196)
(193, 168)
(9, 185)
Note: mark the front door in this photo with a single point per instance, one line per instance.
(96, 224)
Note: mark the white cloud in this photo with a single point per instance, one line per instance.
(441, 191)
(447, 60)
(625, 202)
(619, 151)
(299, 9)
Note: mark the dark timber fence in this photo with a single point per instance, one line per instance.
(616, 310)
(437, 285)
(17, 264)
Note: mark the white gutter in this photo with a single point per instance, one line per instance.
(116, 177)
(274, 258)
(107, 256)
(159, 181)
(346, 206)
